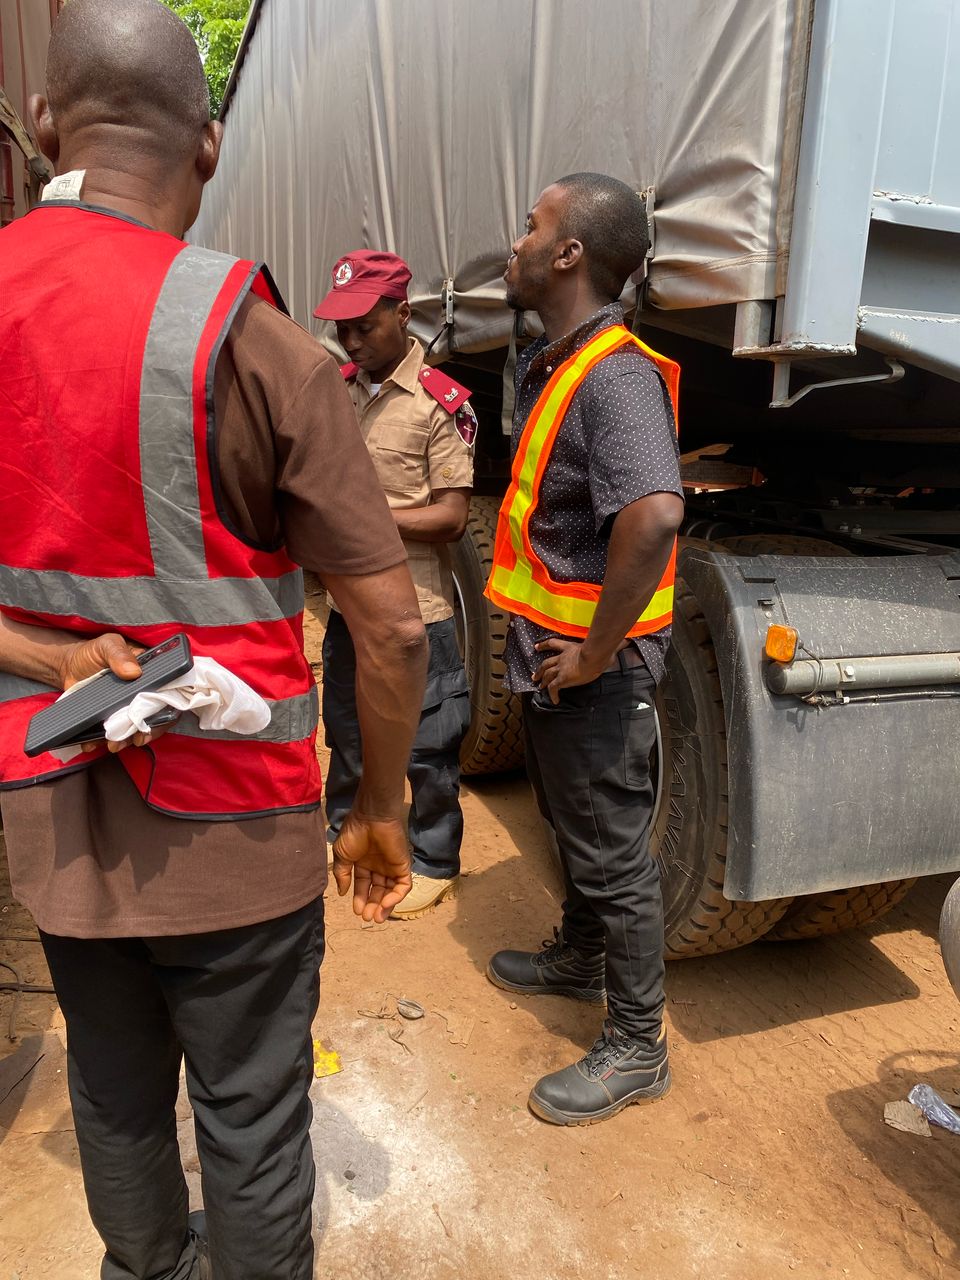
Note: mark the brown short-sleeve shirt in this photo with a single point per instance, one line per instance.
(87, 857)
(416, 450)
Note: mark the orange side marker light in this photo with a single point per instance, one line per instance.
(781, 643)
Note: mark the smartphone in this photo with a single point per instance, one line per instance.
(97, 734)
(80, 717)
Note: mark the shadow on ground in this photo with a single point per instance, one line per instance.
(516, 903)
(927, 1170)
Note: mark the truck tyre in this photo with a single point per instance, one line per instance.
(494, 741)
(950, 935)
(689, 837)
(779, 544)
(815, 914)
(812, 915)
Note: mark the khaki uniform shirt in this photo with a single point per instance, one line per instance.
(416, 451)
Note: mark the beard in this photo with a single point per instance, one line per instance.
(531, 277)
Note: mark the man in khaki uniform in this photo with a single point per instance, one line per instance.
(419, 430)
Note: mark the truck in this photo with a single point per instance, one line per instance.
(24, 34)
(795, 157)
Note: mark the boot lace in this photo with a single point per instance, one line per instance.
(605, 1052)
(550, 951)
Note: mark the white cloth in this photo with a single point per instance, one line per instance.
(218, 698)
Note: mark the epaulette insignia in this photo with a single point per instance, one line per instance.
(448, 394)
(349, 371)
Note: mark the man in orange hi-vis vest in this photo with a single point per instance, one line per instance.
(584, 563)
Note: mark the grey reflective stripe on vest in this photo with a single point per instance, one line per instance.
(181, 591)
(146, 602)
(291, 720)
(14, 687)
(168, 460)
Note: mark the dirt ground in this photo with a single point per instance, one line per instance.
(769, 1158)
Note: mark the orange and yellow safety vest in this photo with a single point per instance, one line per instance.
(519, 581)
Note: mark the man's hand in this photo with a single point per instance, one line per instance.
(564, 668)
(374, 855)
(641, 541)
(87, 657)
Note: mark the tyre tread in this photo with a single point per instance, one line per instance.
(496, 741)
(816, 915)
(715, 923)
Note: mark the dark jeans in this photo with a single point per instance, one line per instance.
(236, 1005)
(588, 760)
(435, 824)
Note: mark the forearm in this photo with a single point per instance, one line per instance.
(391, 675)
(35, 653)
(639, 551)
(443, 520)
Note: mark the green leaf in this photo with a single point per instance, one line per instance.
(217, 26)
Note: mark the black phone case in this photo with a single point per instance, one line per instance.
(68, 719)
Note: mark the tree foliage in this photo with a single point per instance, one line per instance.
(217, 26)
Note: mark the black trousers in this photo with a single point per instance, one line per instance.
(435, 823)
(589, 762)
(237, 1006)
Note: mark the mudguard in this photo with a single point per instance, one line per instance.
(828, 797)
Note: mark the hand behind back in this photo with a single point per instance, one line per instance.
(87, 657)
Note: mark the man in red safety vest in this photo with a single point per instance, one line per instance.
(584, 563)
(174, 449)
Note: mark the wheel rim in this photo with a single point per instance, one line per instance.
(656, 770)
(463, 631)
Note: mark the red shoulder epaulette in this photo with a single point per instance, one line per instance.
(448, 394)
(349, 371)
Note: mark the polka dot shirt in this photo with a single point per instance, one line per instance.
(617, 444)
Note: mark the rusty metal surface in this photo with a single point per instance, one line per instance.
(24, 34)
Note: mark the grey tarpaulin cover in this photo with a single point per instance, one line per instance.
(428, 127)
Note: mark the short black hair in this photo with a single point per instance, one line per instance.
(610, 221)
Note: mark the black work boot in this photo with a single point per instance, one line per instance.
(556, 969)
(197, 1225)
(618, 1070)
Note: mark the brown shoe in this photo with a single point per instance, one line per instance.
(426, 894)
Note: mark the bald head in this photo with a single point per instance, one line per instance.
(128, 69)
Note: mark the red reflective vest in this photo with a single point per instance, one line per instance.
(110, 516)
(519, 581)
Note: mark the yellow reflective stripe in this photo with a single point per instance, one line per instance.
(660, 604)
(533, 443)
(517, 585)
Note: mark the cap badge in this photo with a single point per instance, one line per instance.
(343, 275)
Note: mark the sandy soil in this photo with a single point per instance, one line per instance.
(769, 1158)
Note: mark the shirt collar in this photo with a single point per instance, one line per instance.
(407, 373)
(562, 348)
